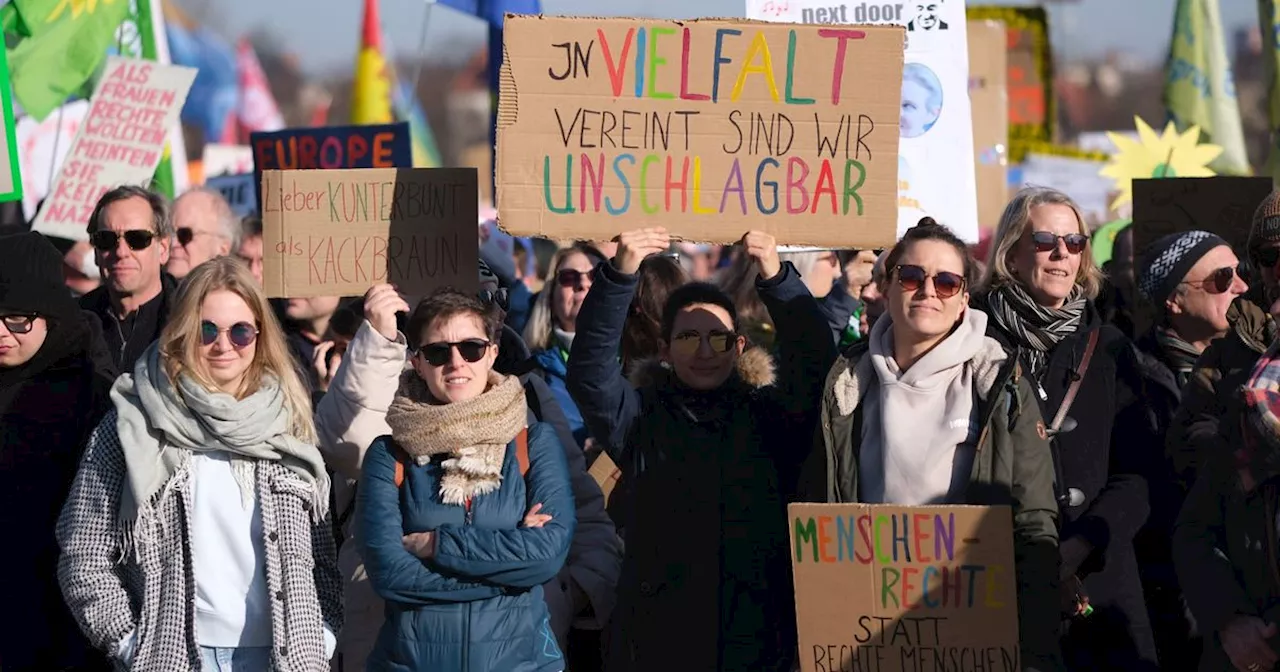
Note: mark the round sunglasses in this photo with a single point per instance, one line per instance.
(570, 277)
(945, 283)
(1218, 281)
(241, 334)
(106, 240)
(1048, 242)
(439, 354)
(686, 343)
(18, 324)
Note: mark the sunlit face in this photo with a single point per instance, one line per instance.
(250, 253)
(1198, 296)
(571, 284)
(823, 275)
(225, 360)
(199, 237)
(312, 308)
(1048, 276)
(125, 270)
(442, 363)
(916, 114)
(923, 314)
(17, 348)
(703, 349)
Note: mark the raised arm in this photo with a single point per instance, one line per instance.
(805, 348)
(522, 557)
(90, 569)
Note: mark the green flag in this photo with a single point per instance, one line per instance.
(61, 44)
(1198, 87)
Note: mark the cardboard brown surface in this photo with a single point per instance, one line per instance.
(606, 474)
(337, 232)
(586, 139)
(889, 588)
(1221, 205)
(989, 99)
(1032, 106)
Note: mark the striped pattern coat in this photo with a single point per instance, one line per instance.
(152, 588)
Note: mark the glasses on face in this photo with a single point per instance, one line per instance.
(945, 283)
(569, 277)
(241, 334)
(1048, 242)
(686, 343)
(439, 354)
(187, 234)
(137, 239)
(1268, 257)
(1216, 282)
(499, 297)
(18, 324)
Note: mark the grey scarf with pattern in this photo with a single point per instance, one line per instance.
(1036, 328)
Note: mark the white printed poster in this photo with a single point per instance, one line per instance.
(935, 151)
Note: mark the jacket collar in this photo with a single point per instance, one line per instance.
(1251, 324)
(756, 368)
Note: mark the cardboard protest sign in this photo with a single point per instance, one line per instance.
(1032, 106)
(606, 474)
(120, 142)
(332, 147)
(888, 588)
(709, 127)
(239, 190)
(1221, 205)
(336, 232)
(989, 98)
(10, 171)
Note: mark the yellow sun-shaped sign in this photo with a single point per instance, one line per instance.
(1170, 154)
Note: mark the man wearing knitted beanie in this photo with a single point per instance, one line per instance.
(55, 376)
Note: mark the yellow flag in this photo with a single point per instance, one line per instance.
(371, 89)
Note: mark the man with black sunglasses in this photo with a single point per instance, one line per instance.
(130, 233)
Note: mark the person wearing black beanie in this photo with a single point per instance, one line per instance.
(55, 376)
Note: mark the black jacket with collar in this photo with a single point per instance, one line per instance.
(126, 342)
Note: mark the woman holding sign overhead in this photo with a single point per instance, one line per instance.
(930, 410)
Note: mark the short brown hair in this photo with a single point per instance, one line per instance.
(160, 222)
(446, 303)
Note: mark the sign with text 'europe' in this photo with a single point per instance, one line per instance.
(331, 148)
(709, 127)
(886, 588)
(337, 232)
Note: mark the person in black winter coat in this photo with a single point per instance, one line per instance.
(711, 449)
(55, 375)
(1041, 281)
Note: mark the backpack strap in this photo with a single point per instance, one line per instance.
(401, 457)
(522, 450)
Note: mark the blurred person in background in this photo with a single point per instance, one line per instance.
(698, 260)
(79, 271)
(55, 380)
(549, 333)
(204, 227)
(131, 233)
(313, 346)
(642, 336)
(871, 296)
(739, 282)
(197, 533)
(250, 249)
(820, 270)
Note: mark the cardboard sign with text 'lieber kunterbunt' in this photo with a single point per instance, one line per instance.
(710, 128)
(886, 588)
(337, 232)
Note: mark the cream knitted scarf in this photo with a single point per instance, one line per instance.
(473, 433)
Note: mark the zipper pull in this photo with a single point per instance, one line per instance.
(1041, 392)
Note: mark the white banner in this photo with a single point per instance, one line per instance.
(935, 153)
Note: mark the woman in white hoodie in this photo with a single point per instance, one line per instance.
(930, 410)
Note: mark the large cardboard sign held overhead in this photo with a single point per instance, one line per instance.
(989, 98)
(120, 142)
(337, 232)
(1220, 205)
(710, 128)
(889, 588)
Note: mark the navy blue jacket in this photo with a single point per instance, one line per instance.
(477, 606)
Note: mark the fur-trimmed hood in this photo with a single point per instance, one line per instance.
(756, 367)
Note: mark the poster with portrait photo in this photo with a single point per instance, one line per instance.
(935, 124)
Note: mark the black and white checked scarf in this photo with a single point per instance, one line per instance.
(1036, 328)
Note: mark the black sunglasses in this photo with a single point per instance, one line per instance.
(945, 283)
(686, 343)
(1268, 257)
(1216, 282)
(241, 334)
(439, 354)
(569, 277)
(499, 297)
(137, 239)
(1048, 242)
(185, 235)
(18, 324)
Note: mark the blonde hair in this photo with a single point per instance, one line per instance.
(538, 330)
(180, 340)
(1014, 223)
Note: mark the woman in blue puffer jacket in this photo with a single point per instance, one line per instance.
(457, 534)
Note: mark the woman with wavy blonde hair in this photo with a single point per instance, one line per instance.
(1040, 285)
(196, 534)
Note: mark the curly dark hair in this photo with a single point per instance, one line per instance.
(445, 303)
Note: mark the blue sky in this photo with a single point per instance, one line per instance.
(324, 33)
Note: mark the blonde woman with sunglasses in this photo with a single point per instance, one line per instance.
(930, 410)
(197, 534)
